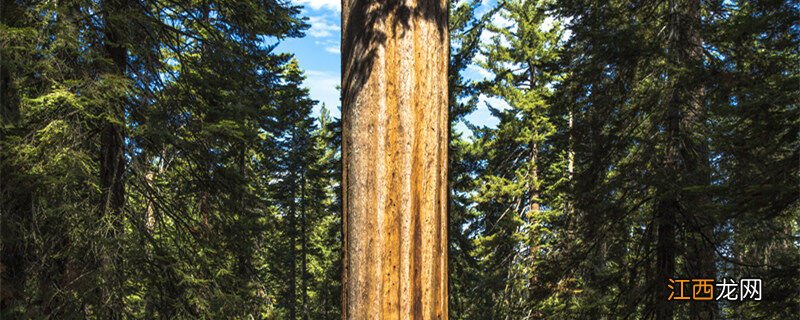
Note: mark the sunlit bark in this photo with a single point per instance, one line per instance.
(395, 133)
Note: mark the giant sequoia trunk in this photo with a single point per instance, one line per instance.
(395, 134)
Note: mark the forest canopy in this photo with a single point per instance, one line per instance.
(162, 159)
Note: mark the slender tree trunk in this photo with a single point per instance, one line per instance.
(111, 175)
(16, 204)
(571, 151)
(667, 205)
(534, 183)
(15, 200)
(686, 160)
(112, 144)
(701, 251)
(150, 210)
(666, 210)
(395, 142)
(569, 194)
(152, 214)
(292, 259)
(534, 161)
(9, 111)
(112, 156)
(568, 206)
(303, 249)
(244, 254)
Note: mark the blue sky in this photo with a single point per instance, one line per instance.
(318, 54)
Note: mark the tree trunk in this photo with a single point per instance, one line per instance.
(16, 201)
(667, 205)
(292, 259)
(695, 153)
(9, 111)
(665, 255)
(112, 157)
(533, 211)
(112, 144)
(686, 161)
(395, 142)
(303, 249)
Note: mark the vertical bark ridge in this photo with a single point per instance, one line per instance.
(394, 152)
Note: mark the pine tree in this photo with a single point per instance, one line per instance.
(648, 82)
(296, 160)
(753, 57)
(517, 197)
(465, 30)
(149, 114)
(324, 223)
(50, 172)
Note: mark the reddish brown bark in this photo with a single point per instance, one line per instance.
(395, 133)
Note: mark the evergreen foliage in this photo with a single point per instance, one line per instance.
(159, 159)
(637, 142)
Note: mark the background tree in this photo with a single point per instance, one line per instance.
(161, 109)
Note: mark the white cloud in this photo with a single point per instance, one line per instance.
(477, 73)
(547, 24)
(319, 4)
(333, 49)
(320, 28)
(486, 36)
(330, 45)
(323, 89)
(502, 21)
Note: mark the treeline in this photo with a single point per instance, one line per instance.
(638, 141)
(160, 160)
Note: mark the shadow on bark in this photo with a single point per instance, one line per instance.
(361, 39)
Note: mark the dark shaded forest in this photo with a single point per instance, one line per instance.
(161, 159)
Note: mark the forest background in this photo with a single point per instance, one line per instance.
(162, 159)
